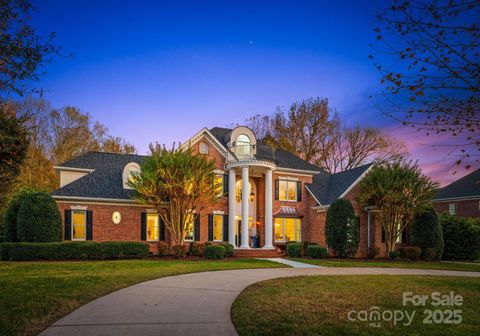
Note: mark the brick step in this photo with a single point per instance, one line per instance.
(258, 253)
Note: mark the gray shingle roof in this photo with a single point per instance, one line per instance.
(327, 188)
(467, 186)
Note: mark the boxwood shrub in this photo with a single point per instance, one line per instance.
(294, 249)
(228, 249)
(215, 252)
(196, 249)
(317, 251)
(461, 236)
(73, 250)
(412, 253)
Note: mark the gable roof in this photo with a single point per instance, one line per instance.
(282, 159)
(467, 186)
(329, 187)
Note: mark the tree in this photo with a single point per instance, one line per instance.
(426, 232)
(313, 131)
(11, 214)
(22, 51)
(342, 229)
(178, 183)
(398, 190)
(436, 87)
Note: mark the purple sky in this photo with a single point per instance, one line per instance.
(160, 71)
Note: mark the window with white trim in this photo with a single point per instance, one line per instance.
(203, 148)
(452, 208)
(243, 145)
(287, 190)
(287, 229)
(152, 227)
(218, 228)
(79, 225)
(190, 228)
(218, 181)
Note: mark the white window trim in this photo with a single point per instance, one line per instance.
(206, 146)
(286, 193)
(85, 224)
(213, 228)
(193, 235)
(296, 220)
(158, 225)
(452, 208)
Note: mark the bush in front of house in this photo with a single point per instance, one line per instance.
(162, 249)
(229, 249)
(317, 251)
(215, 252)
(342, 228)
(11, 213)
(294, 249)
(180, 251)
(394, 255)
(373, 252)
(196, 249)
(306, 244)
(38, 219)
(426, 232)
(23, 251)
(412, 253)
(461, 236)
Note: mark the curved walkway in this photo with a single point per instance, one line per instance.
(189, 304)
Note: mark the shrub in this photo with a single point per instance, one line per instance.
(229, 249)
(180, 251)
(342, 229)
(426, 232)
(394, 255)
(294, 249)
(196, 249)
(317, 251)
(214, 252)
(11, 213)
(430, 254)
(73, 250)
(305, 244)
(461, 236)
(373, 252)
(162, 249)
(410, 252)
(38, 219)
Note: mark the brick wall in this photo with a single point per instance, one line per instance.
(466, 208)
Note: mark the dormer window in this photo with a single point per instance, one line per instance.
(203, 148)
(130, 169)
(243, 145)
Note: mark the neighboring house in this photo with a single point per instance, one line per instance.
(282, 197)
(461, 198)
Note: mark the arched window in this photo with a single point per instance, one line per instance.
(130, 169)
(203, 148)
(243, 145)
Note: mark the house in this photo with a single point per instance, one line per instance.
(461, 198)
(270, 197)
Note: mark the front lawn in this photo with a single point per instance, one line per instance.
(35, 294)
(452, 266)
(320, 305)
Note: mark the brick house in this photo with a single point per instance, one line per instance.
(461, 198)
(280, 196)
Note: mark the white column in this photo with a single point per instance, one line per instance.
(231, 207)
(245, 198)
(268, 210)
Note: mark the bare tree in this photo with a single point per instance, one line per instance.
(436, 87)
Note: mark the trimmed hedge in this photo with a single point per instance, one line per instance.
(196, 249)
(294, 249)
(394, 255)
(229, 249)
(410, 252)
(38, 219)
(73, 250)
(215, 252)
(180, 251)
(342, 228)
(11, 213)
(461, 236)
(426, 232)
(317, 251)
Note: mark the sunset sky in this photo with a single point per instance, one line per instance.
(162, 70)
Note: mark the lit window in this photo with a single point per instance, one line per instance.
(243, 145)
(203, 148)
(152, 227)
(189, 229)
(287, 229)
(219, 185)
(217, 227)
(452, 208)
(79, 225)
(287, 190)
(238, 191)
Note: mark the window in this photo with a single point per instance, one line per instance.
(219, 185)
(238, 191)
(287, 229)
(79, 225)
(152, 227)
(190, 228)
(243, 145)
(287, 190)
(217, 227)
(129, 171)
(203, 148)
(452, 208)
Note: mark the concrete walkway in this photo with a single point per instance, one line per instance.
(294, 264)
(189, 304)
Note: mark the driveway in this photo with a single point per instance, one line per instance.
(189, 304)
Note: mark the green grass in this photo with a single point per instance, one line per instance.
(35, 294)
(452, 266)
(319, 305)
